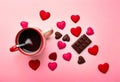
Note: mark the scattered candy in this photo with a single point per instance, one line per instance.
(90, 31)
(61, 45)
(81, 60)
(24, 24)
(78, 45)
(75, 18)
(53, 56)
(66, 38)
(76, 31)
(44, 15)
(52, 65)
(58, 35)
(61, 25)
(34, 64)
(93, 50)
(67, 56)
(103, 67)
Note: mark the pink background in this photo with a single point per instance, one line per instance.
(102, 15)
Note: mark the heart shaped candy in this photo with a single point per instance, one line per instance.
(52, 65)
(61, 25)
(75, 18)
(66, 38)
(103, 67)
(81, 60)
(76, 31)
(58, 35)
(90, 31)
(61, 45)
(67, 56)
(93, 50)
(34, 64)
(53, 56)
(24, 24)
(44, 15)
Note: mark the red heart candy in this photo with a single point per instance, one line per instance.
(61, 45)
(75, 18)
(34, 64)
(44, 15)
(90, 31)
(67, 56)
(76, 31)
(93, 50)
(52, 65)
(103, 67)
(53, 56)
(61, 25)
(24, 24)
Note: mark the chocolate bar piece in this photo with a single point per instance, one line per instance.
(81, 43)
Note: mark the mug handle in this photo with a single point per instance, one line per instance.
(47, 33)
(13, 48)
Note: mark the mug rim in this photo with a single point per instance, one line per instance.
(41, 46)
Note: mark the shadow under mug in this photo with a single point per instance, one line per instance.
(36, 36)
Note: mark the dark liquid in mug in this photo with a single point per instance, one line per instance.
(33, 36)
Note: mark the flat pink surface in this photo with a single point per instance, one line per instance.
(102, 15)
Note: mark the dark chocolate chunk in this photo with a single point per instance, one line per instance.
(81, 60)
(58, 35)
(81, 43)
(66, 38)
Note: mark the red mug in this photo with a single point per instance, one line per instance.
(31, 41)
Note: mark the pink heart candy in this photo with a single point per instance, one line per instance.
(67, 56)
(52, 65)
(90, 31)
(24, 24)
(61, 25)
(61, 45)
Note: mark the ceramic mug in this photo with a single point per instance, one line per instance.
(31, 41)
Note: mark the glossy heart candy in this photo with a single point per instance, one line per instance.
(61, 45)
(93, 50)
(53, 56)
(103, 67)
(52, 65)
(34, 64)
(67, 56)
(61, 25)
(44, 15)
(75, 18)
(76, 31)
